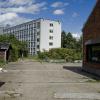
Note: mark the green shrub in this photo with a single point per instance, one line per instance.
(69, 55)
(43, 55)
(2, 62)
(13, 55)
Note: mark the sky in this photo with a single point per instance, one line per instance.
(72, 13)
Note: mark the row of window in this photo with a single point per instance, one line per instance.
(23, 27)
(22, 31)
(26, 26)
(50, 44)
(32, 50)
(30, 31)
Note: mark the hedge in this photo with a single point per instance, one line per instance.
(61, 53)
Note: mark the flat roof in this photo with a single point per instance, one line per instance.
(30, 22)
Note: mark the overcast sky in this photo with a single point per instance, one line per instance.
(72, 13)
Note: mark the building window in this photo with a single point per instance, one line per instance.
(51, 25)
(38, 40)
(34, 25)
(51, 37)
(51, 31)
(38, 33)
(38, 52)
(38, 46)
(93, 53)
(38, 24)
(50, 43)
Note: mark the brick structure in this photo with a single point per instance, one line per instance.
(91, 42)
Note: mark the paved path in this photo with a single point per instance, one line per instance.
(27, 80)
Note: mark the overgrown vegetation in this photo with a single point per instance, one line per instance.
(68, 41)
(69, 55)
(2, 62)
(18, 50)
(71, 49)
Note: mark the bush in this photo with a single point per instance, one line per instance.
(2, 62)
(69, 55)
(42, 55)
(13, 55)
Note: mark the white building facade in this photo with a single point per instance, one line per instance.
(41, 34)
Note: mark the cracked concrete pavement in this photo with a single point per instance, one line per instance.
(29, 80)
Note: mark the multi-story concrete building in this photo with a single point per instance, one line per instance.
(40, 34)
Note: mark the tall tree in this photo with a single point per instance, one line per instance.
(63, 39)
(70, 41)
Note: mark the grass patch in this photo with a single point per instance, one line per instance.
(34, 58)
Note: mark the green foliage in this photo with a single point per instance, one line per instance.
(13, 54)
(63, 39)
(43, 55)
(61, 53)
(68, 41)
(18, 48)
(2, 62)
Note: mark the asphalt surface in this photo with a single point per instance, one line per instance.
(29, 80)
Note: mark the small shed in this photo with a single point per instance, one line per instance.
(91, 42)
(5, 51)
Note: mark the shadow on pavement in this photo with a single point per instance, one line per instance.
(78, 70)
(1, 83)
